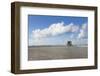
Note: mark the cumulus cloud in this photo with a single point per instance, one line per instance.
(55, 29)
(83, 31)
(72, 36)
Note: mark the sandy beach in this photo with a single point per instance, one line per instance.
(56, 52)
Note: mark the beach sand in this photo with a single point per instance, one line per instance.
(54, 52)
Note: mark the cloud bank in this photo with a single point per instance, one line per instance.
(56, 29)
(83, 31)
(46, 36)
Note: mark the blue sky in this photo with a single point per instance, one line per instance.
(57, 30)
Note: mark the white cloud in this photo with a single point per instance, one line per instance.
(83, 31)
(54, 30)
(72, 36)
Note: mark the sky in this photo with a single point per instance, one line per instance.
(57, 30)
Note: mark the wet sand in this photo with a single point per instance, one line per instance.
(56, 52)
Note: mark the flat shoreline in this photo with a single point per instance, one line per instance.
(56, 52)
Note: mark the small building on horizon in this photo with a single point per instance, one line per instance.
(69, 43)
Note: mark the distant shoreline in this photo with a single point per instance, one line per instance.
(59, 46)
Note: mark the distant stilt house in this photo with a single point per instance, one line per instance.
(69, 43)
